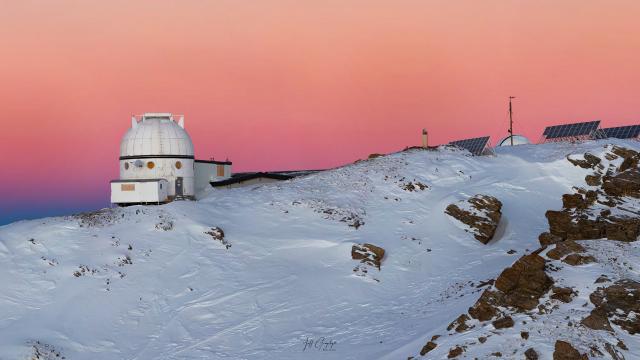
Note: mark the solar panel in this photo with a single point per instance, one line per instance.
(565, 130)
(474, 146)
(622, 132)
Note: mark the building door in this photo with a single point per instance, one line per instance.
(179, 191)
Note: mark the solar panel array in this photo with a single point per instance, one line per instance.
(567, 130)
(622, 132)
(474, 146)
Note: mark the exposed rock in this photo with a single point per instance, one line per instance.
(593, 180)
(580, 220)
(615, 355)
(577, 259)
(455, 352)
(547, 238)
(589, 162)
(626, 183)
(519, 286)
(414, 186)
(485, 307)
(503, 322)
(218, 234)
(574, 201)
(563, 294)
(428, 347)
(524, 335)
(623, 228)
(597, 320)
(460, 324)
(565, 351)
(524, 282)
(481, 213)
(368, 254)
(620, 303)
(531, 354)
(565, 248)
(374, 155)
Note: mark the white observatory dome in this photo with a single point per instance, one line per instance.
(517, 140)
(156, 134)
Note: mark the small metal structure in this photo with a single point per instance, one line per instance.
(476, 146)
(570, 132)
(622, 132)
(511, 120)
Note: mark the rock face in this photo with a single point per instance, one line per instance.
(617, 187)
(481, 213)
(619, 302)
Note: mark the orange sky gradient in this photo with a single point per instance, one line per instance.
(276, 85)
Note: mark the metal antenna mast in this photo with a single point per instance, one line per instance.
(511, 120)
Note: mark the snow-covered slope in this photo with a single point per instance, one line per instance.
(148, 282)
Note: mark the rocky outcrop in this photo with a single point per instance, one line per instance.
(589, 161)
(459, 324)
(587, 214)
(481, 213)
(618, 303)
(519, 287)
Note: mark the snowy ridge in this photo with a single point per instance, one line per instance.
(153, 284)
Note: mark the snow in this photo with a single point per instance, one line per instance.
(156, 286)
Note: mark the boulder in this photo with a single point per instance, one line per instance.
(563, 294)
(503, 322)
(593, 180)
(428, 347)
(455, 352)
(531, 354)
(368, 254)
(565, 351)
(481, 213)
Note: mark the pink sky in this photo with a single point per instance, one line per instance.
(294, 84)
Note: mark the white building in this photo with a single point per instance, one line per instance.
(157, 163)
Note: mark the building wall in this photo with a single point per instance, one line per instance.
(256, 181)
(206, 172)
(162, 168)
(139, 192)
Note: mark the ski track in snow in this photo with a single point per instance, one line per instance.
(288, 275)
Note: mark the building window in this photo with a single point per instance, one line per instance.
(178, 165)
(151, 164)
(220, 170)
(126, 166)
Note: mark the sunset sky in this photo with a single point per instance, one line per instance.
(276, 85)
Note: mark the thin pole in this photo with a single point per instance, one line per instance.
(511, 120)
